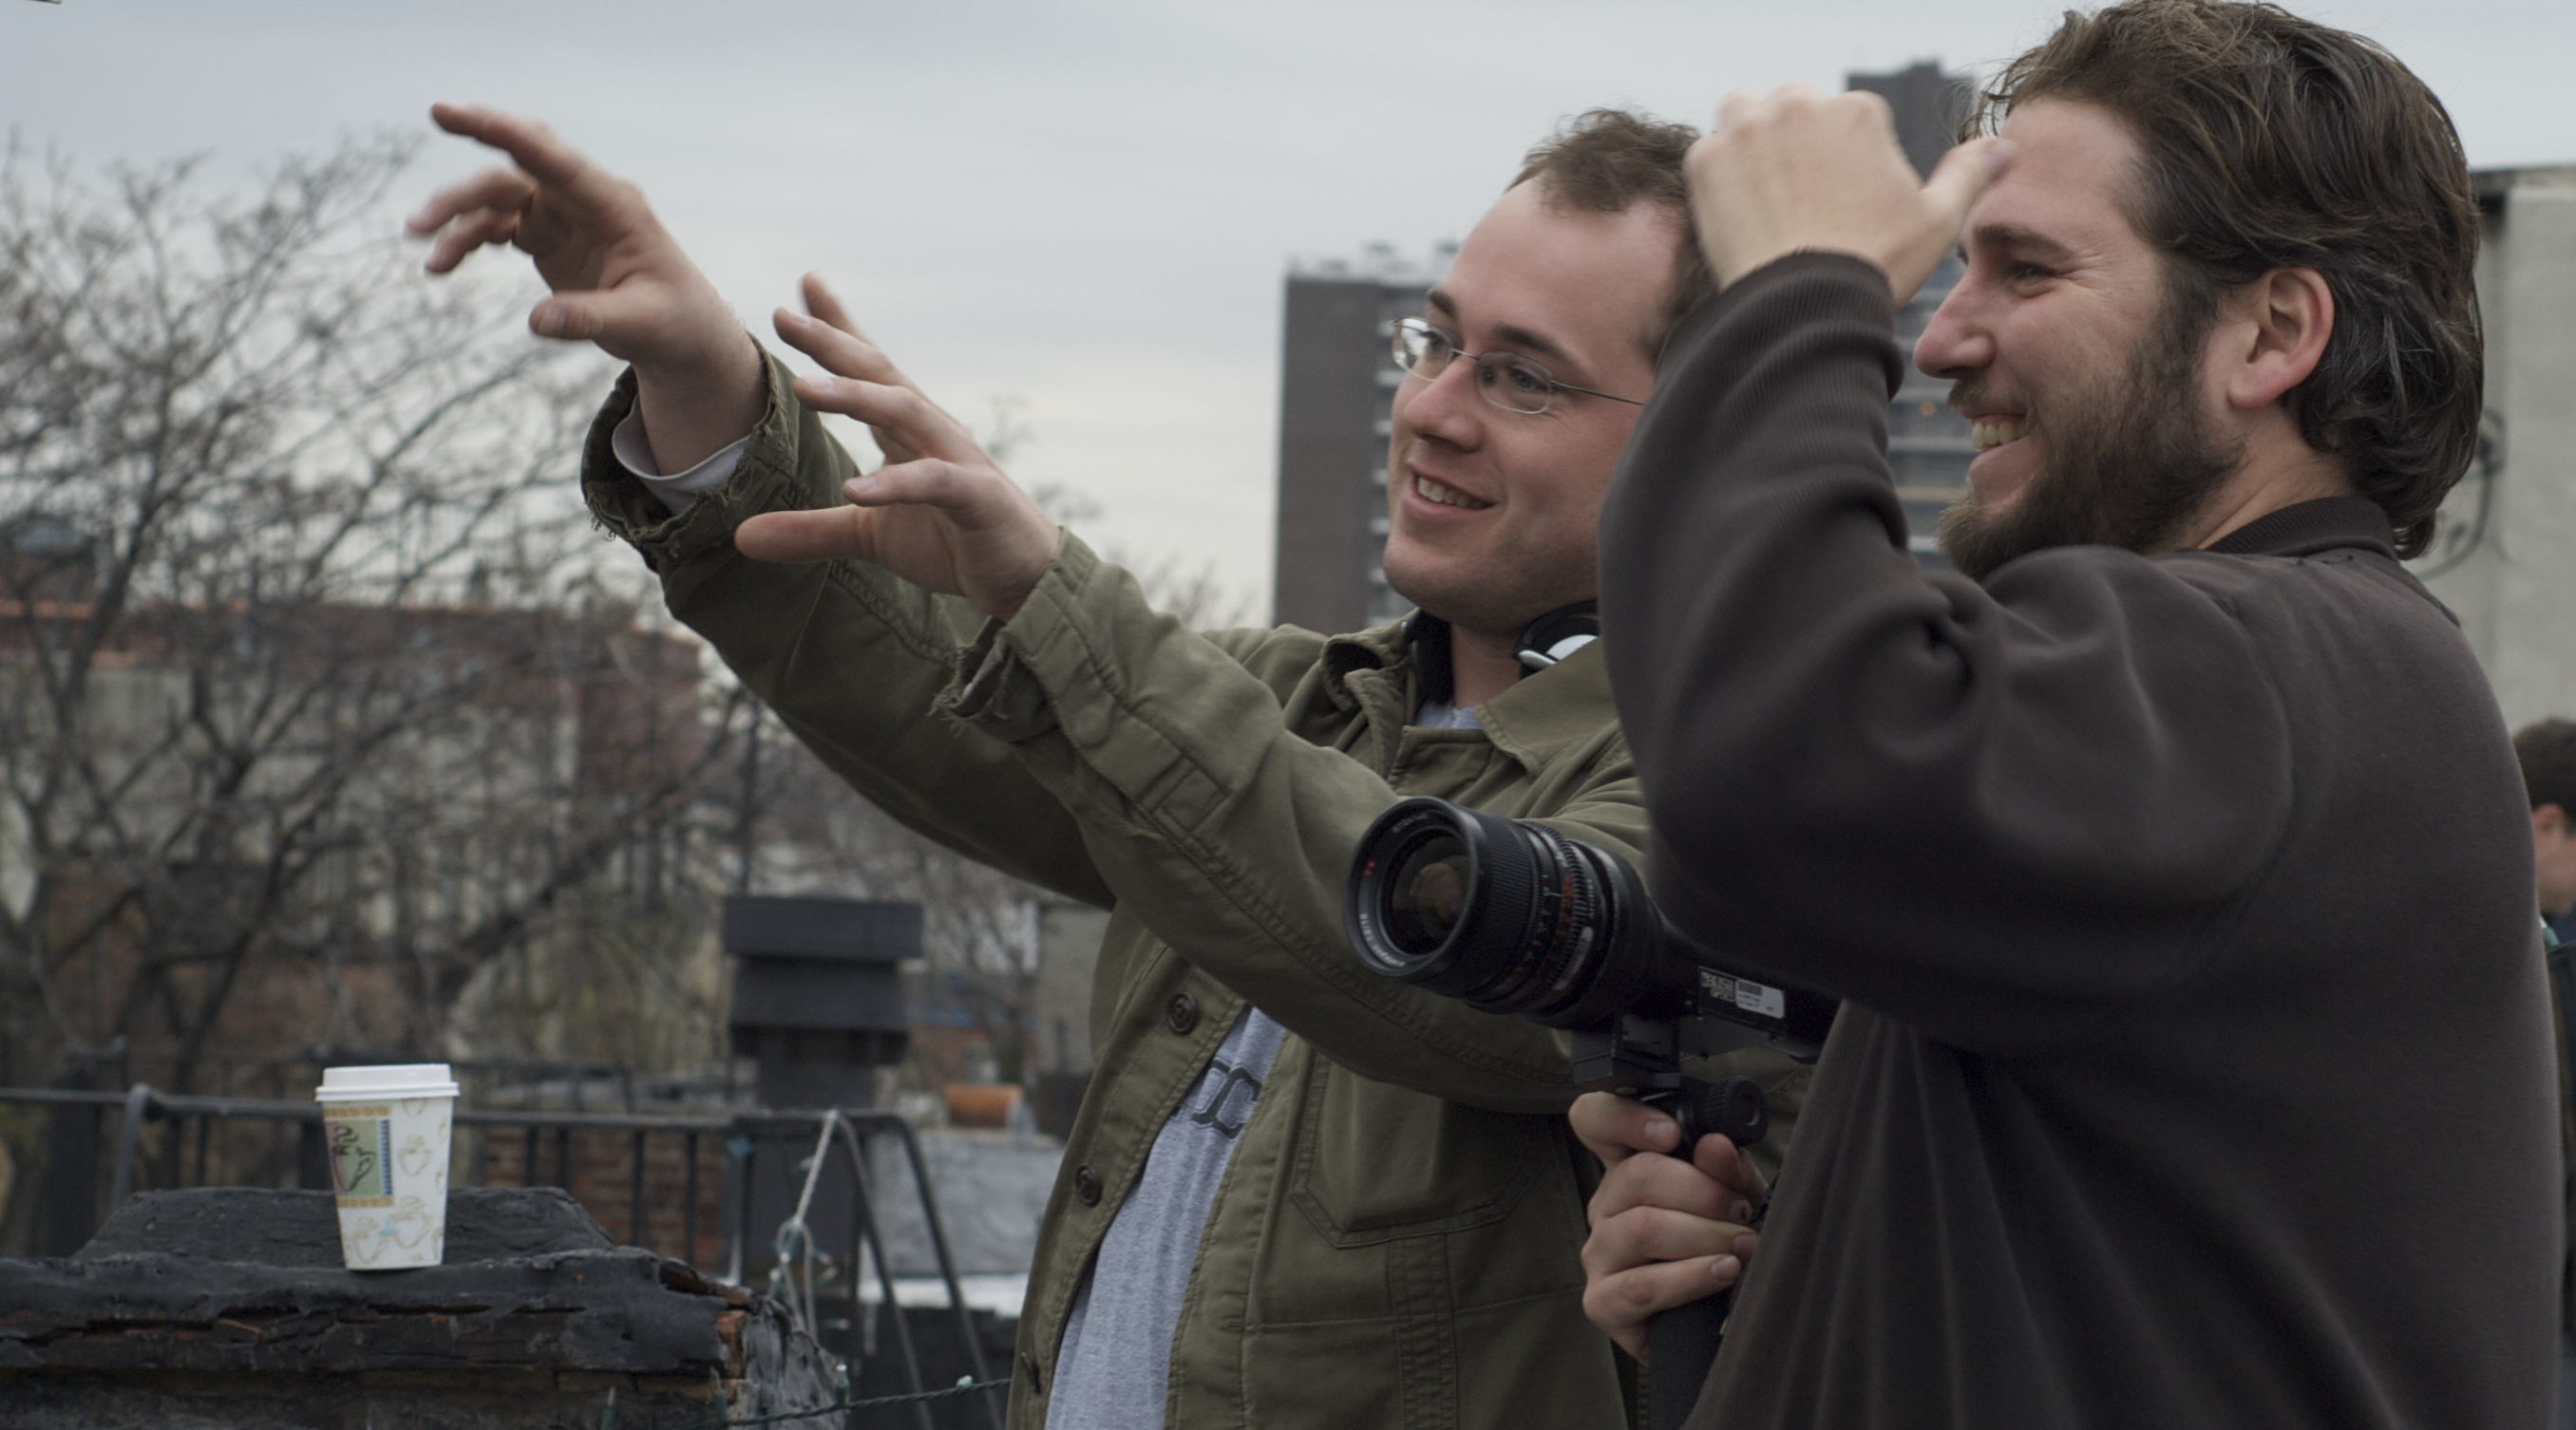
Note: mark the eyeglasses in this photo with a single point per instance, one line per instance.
(1508, 380)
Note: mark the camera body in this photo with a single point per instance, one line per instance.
(1511, 916)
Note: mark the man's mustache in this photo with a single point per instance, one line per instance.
(1970, 394)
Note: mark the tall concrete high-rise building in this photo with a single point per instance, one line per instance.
(1337, 381)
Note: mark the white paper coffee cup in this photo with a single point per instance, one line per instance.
(387, 1131)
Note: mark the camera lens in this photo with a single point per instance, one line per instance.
(1432, 886)
(1512, 916)
(1427, 894)
(1509, 915)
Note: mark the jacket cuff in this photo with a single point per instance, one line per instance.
(764, 480)
(1023, 677)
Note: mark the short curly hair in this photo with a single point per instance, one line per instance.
(1607, 161)
(2547, 750)
(2268, 142)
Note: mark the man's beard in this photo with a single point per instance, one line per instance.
(2130, 462)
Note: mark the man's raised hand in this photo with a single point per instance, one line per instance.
(1796, 171)
(618, 277)
(939, 513)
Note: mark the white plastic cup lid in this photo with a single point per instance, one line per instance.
(378, 1083)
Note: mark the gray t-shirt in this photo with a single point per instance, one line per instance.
(1441, 715)
(1118, 1339)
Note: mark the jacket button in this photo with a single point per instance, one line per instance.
(1086, 1185)
(1182, 1012)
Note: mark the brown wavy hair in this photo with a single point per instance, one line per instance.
(1605, 161)
(2269, 142)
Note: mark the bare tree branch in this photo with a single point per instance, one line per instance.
(306, 685)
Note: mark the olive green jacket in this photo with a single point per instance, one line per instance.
(1395, 1240)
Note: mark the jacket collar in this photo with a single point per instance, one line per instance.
(1543, 713)
(2308, 527)
(1377, 648)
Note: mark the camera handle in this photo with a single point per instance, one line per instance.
(1681, 1344)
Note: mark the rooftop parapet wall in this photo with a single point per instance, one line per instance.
(229, 1307)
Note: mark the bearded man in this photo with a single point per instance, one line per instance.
(2194, 1065)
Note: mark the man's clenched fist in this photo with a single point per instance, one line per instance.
(1795, 171)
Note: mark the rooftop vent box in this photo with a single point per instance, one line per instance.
(816, 997)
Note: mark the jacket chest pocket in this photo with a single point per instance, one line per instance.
(1375, 1162)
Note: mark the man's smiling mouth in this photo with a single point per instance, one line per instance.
(1988, 433)
(1433, 491)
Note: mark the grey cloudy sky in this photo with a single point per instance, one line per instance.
(1089, 206)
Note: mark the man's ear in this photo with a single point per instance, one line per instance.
(2277, 330)
(2548, 822)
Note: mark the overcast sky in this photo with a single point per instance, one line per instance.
(1091, 206)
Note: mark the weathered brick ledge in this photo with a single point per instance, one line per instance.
(228, 1307)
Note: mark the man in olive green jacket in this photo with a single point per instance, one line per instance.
(1361, 1204)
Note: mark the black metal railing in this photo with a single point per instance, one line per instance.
(580, 1085)
(71, 1205)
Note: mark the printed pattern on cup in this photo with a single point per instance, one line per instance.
(361, 1153)
(401, 1236)
(414, 1158)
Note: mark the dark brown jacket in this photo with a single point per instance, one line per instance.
(2196, 1068)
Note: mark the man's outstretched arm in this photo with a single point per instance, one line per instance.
(1229, 834)
(1224, 831)
(938, 514)
(619, 279)
(698, 384)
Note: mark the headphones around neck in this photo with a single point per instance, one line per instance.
(1547, 640)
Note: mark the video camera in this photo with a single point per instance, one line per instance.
(1509, 916)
